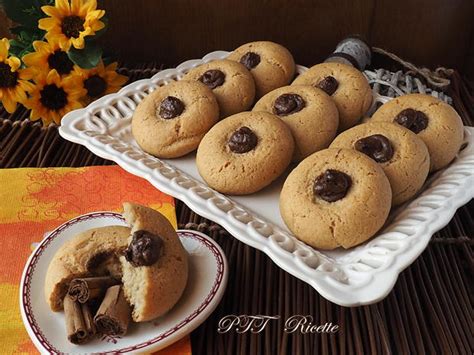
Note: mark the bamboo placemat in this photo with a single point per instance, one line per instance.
(430, 309)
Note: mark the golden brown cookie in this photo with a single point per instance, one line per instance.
(171, 121)
(402, 155)
(119, 251)
(90, 253)
(431, 119)
(244, 152)
(346, 85)
(309, 112)
(335, 197)
(165, 279)
(230, 81)
(271, 64)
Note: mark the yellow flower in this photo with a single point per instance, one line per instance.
(70, 22)
(53, 97)
(47, 56)
(13, 86)
(101, 80)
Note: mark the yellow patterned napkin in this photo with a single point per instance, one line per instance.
(34, 201)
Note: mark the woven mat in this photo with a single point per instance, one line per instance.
(430, 309)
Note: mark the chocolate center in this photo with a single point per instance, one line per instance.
(72, 25)
(332, 185)
(61, 62)
(53, 97)
(329, 85)
(287, 104)
(171, 107)
(377, 147)
(242, 141)
(250, 60)
(414, 120)
(212, 78)
(8, 78)
(95, 86)
(145, 249)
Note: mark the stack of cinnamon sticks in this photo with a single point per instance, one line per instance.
(112, 316)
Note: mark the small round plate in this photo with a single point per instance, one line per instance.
(206, 284)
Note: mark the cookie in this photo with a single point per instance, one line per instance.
(402, 155)
(171, 121)
(346, 85)
(335, 197)
(270, 64)
(120, 251)
(84, 255)
(309, 112)
(244, 152)
(231, 83)
(433, 120)
(163, 280)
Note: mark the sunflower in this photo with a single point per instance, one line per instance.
(13, 86)
(47, 56)
(101, 80)
(69, 23)
(53, 97)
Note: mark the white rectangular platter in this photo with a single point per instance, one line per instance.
(358, 276)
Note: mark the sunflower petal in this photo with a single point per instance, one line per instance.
(88, 6)
(97, 26)
(14, 63)
(112, 66)
(4, 47)
(63, 6)
(47, 23)
(26, 85)
(53, 78)
(40, 46)
(34, 115)
(78, 42)
(35, 60)
(51, 11)
(8, 103)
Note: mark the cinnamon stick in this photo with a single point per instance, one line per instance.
(113, 315)
(88, 320)
(76, 329)
(85, 289)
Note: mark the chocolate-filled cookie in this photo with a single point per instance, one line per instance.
(310, 113)
(431, 119)
(271, 64)
(401, 154)
(335, 197)
(244, 153)
(347, 86)
(230, 81)
(171, 121)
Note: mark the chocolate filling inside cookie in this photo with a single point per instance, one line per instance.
(377, 146)
(329, 85)
(242, 141)
(212, 78)
(250, 60)
(171, 107)
(414, 120)
(332, 185)
(287, 104)
(144, 249)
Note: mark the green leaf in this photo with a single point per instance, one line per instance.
(88, 57)
(23, 43)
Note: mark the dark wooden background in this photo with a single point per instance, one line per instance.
(426, 32)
